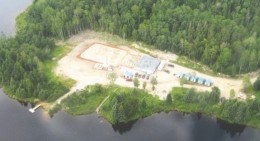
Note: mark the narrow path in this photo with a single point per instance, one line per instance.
(58, 101)
(97, 110)
(72, 90)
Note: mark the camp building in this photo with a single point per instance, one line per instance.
(147, 64)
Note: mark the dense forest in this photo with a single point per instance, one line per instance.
(21, 70)
(223, 34)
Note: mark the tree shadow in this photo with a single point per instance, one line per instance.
(199, 115)
(123, 127)
(231, 128)
(24, 104)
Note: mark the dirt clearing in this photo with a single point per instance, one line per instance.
(104, 54)
(91, 48)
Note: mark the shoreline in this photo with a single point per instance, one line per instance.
(212, 111)
(78, 42)
(80, 86)
(48, 108)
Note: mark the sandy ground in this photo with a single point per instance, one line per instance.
(104, 54)
(82, 70)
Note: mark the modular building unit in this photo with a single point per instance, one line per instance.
(187, 76)
(208, 83)
(193, 79)
(201, 80)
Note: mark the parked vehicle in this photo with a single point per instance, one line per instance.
(129, 79)
(147, 77)
(167, 71)
(171, 65)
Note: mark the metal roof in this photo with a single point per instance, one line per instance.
(208, 81)
(180, 75)
(147, 64)
(127, 73)
(200, 80)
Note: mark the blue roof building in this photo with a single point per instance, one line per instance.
(201, 80)
(180, 75)
(187, 76)
(193, 78)
(128, 75)
(208, 82)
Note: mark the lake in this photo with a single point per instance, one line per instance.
(9, 9)
(18, 124)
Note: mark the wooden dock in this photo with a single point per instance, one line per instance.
(32, 110)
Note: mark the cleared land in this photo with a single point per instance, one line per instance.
(104, 54)
(92, 47)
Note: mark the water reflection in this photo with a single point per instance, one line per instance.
(123, 127)
(18, 124)
(25, 104)
(161, 126)
(199, 115)
(230, 128)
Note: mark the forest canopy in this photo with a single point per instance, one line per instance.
(223, 34)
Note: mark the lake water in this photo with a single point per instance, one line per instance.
(9, 9)
(18, 124)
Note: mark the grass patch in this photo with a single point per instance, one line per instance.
(60, 51)
(86, 101)
(256, 94)
(184, 61)
(254, 120)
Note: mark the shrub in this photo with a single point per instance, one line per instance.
(257, 84)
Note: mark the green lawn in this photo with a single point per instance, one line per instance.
(49, 65)
(257, 94)
(184, 61)
(86, 101)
